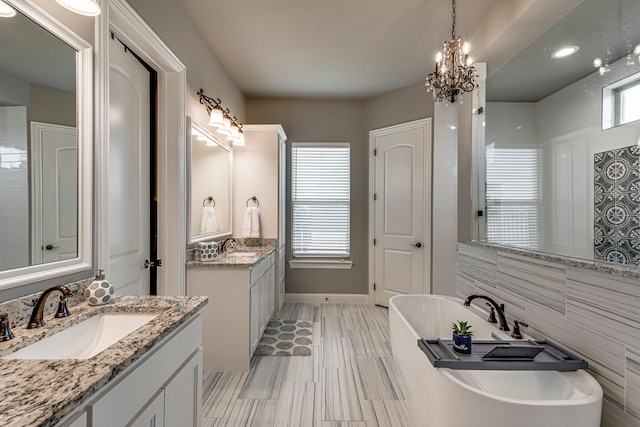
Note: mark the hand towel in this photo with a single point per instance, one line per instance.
(251, 222)
(209, 220)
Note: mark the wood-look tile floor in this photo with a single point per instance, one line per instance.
(350, 380)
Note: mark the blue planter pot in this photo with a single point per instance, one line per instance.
(461, 344)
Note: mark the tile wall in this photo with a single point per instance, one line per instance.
(591, 308)
(616, 199)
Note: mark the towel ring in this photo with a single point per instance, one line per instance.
(211, 200)
(255, 199)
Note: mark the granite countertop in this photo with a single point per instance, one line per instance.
(41, 392)
(227, 259)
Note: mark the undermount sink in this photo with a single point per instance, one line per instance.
(241, 254)
(86, 339)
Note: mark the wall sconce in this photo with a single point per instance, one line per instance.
(81, 7)
(220, 119)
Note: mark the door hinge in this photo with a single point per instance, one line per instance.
(374, 242)
(375, 196)
(375, 151)
(374, 286)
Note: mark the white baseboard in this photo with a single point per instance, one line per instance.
(320, 298)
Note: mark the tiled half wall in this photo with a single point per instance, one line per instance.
(587, 307)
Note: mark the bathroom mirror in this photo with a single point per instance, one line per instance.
(46, 143)
(561, 176)
(209, 192)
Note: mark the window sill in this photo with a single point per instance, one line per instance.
(339, 264)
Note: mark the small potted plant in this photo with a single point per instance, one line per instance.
(462, 337)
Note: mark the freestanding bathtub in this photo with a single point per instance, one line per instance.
(443, 397)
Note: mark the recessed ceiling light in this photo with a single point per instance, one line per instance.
(565, 51)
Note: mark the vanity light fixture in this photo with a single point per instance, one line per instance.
(220, 118)
(6, 11)
(454, 74)
(81, 7)
(238, 138)
(565, 51)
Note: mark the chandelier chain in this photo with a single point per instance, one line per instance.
(453, 15)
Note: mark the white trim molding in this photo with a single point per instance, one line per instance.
(327, 298)
(82, 264)
(120, 18)
(338, 264)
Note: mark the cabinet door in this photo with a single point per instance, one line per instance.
(152, 415)
(264, 302)
(183, 395)
(79, 420)
(280, 288)
(271, 285)
(256, 320)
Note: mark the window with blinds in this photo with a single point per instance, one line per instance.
(320, 199)
(513, 196)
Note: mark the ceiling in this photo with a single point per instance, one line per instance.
(606, 29)
(356, 49)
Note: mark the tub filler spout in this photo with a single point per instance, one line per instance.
(504, 326)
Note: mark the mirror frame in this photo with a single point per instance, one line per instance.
(84, 125)
(222, 233)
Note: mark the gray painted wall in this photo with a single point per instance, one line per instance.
(171, 22)
(51, 105)
(340, 121)
(325, 121)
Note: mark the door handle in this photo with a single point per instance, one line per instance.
(417, 245)
(50, 247)
(156, 263)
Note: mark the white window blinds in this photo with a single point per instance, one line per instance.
(513, 196)
(320, 199)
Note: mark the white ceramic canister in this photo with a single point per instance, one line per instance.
(100, 291)
(208, 251)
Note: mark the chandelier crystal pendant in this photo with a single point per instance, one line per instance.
(454, 74)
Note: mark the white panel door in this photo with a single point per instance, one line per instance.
(129, 173)
(401, 246)
(55, 192)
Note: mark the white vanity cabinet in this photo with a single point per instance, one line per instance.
(262, 306)
(260, 169)
(241, 303)
(162, 388)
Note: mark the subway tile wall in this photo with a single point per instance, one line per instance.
(594, 313)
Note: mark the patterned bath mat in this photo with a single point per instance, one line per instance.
(285, 338)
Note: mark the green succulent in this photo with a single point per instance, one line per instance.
(462, 328)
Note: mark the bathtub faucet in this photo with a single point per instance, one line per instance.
(504, 326)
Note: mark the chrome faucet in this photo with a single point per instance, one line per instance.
(504, 326)
(37, 314)
(230, 242)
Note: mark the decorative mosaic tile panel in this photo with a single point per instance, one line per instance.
(616, 195)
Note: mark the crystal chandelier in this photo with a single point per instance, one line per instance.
(454, 74)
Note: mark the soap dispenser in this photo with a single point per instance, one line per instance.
(100, 291)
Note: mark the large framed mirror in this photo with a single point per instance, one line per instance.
(46, 139)
(562, 139)
(209, 185)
